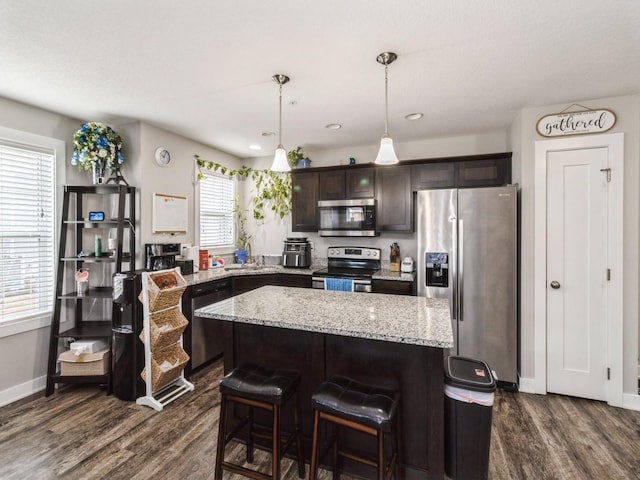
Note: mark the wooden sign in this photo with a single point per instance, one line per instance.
(576, 123)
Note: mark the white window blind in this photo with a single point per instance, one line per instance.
(217, 226)
(27, 215)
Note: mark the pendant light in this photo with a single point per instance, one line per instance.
(280, 163)
(386, 154)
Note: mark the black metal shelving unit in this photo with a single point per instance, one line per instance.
(69, 261)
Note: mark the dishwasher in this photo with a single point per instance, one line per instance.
(206, 334)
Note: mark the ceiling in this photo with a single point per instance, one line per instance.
(203, 68)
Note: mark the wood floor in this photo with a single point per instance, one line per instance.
(84, 434)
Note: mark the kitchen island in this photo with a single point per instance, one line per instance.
(390, 340)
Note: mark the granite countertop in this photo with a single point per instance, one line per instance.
(391, 318)
(220, 272)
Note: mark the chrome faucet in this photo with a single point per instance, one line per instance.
(247, 247)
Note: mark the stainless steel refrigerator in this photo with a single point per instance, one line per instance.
(468, 253)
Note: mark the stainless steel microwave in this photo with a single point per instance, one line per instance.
(347, 218)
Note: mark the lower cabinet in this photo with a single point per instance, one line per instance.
(396, 287)
(295, 280)
(245, 283)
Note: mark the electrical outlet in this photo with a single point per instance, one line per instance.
(312, 245)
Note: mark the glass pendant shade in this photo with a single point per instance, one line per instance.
(386, 154)
(280, 163)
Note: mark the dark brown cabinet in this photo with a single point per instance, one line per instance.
(360, 182)
(391, 186)
(332, 186)
(484, 173)
(394, 199)
(304, 197)
(347, 183)
(396, 287)
(461, 172)
(295, 280)
(433, 175)
(243, 284)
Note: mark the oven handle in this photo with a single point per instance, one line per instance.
(359, 285)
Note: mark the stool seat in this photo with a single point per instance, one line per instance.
(260, 383)
(365, 404)
(252, 386)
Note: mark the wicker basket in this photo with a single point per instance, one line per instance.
(176, 356)
(161, 298)
(165, 328)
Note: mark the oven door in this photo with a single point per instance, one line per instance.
(359, 284)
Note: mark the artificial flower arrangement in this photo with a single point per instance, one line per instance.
(96, 142)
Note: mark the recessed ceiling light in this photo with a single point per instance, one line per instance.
(268, 134)
(255, 147)
(414, 116)
(333, 126)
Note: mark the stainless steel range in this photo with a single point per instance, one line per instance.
(348, 269)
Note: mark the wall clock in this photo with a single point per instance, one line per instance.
(162, 156)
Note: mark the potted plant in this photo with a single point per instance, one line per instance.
(242, 237)
(97, 148)
(297, 159)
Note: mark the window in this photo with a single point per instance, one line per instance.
(27, 232)
(217, 228)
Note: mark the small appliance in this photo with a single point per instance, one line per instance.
(407, 265)
(160, 256)
(191, 252)
(296, 253)
(186, 266)
(347, 218)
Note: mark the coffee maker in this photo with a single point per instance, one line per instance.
(160, 256)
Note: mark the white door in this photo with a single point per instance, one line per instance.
(576, 279)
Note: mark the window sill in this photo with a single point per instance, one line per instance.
(25, 325)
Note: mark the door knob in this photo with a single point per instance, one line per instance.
(555, 285)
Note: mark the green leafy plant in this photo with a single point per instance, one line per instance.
(242, 237)
(294, 155)
(272, 189)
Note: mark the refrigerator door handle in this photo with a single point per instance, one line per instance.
(454, 269)
(460, 269)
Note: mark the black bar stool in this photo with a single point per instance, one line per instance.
(366, 408)
(269, 390)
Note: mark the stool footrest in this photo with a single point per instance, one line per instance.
(247, 472)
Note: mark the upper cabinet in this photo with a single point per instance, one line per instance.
(394, 211)
(462, 172)
(484, 173)
(391, 186)
(347, 182)
(304, 198)
(433, 175)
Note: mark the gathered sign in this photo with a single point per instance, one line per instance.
(576, 123)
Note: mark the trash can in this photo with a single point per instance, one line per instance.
(469, 393)
(123, 366)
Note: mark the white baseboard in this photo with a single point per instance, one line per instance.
(631, 401)
(25, 389)
(527, 385)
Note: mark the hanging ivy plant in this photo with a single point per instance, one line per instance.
(271, 188)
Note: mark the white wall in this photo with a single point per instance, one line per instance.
(178, 178)
(23, 355)
(523, 136)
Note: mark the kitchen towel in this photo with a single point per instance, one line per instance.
(338, 284)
